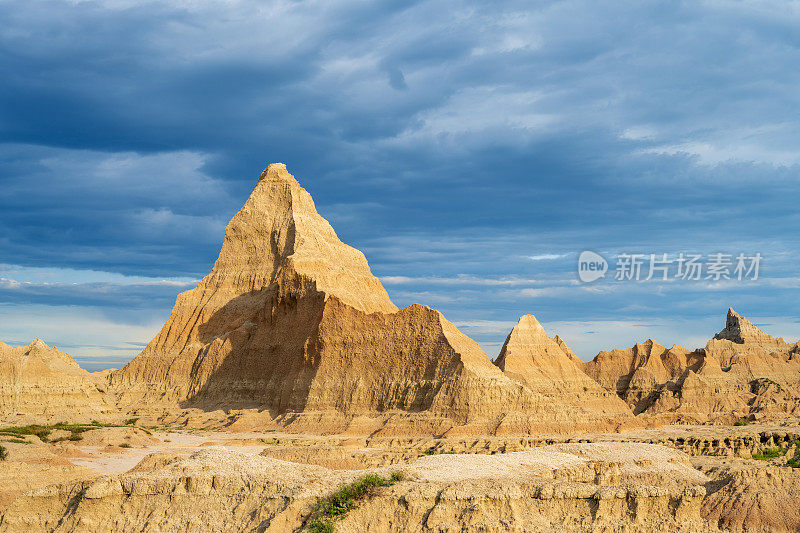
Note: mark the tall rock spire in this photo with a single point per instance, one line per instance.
(740, 330)
(292, 320)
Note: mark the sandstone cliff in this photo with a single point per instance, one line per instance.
(291, 320)
(39, 383)
(741, 372)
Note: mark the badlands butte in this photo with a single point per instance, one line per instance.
(286, 392)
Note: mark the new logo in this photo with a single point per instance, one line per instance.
(591, 266)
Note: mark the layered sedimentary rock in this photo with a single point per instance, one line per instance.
(742, 371)
(574, 487)
(291, 320)
(755, 499)
(549, 367)
(40, 383)
(635, 373)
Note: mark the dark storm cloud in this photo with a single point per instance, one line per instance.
(443, 138)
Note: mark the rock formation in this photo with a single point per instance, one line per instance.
(741, 331)
(549, 367)
(39, 383)
(568, 487)
(741, 372)
(291, 320)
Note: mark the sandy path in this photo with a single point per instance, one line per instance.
(106, 460)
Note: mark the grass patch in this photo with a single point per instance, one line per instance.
(434, 451)
(268, 441)
(43, 431)
(740, 423)
(794, 462)
(16, 440)
(769, 453)
(345, 499)
(124, 445)
(131, 421)
(3, 453)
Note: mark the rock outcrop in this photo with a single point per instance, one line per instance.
(573, 487)
(39, 383)
(291, 320)
(741, 331)
(741, 372)
(754, 498)
(549, 367)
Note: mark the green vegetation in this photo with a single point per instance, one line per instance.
(794, 462)
(131, 421)
(3, 453)
(43, 432)
(16, 440)
(124, 445)
(434, 451)
(769, 453)
(269, 441)
(767, 382)
(345, 499)
(740, 423)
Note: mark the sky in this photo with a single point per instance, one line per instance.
(471, 150)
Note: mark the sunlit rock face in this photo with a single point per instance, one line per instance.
(292, 320)
(741, 372)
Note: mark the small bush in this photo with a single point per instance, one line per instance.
(124, 445)
(740, 423)
(43, 432)
(769, 453)
(345, 499)
(321, 527)
(131, 421)
(794, 462)
(75, 437)
(3, 453)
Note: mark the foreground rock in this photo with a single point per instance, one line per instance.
(42, 384)
(292, 321)
(742, 372)
(571, 487)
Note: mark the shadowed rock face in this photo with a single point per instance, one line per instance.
(742, 371)
(39, 383)
(290, 319)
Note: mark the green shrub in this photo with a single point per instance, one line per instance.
(740, 423)
(124, 445)
(769, 453)
(321, 527)
(131, 421)
(794, 462)
(18, 441)
(3, 453)
(345, 499)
